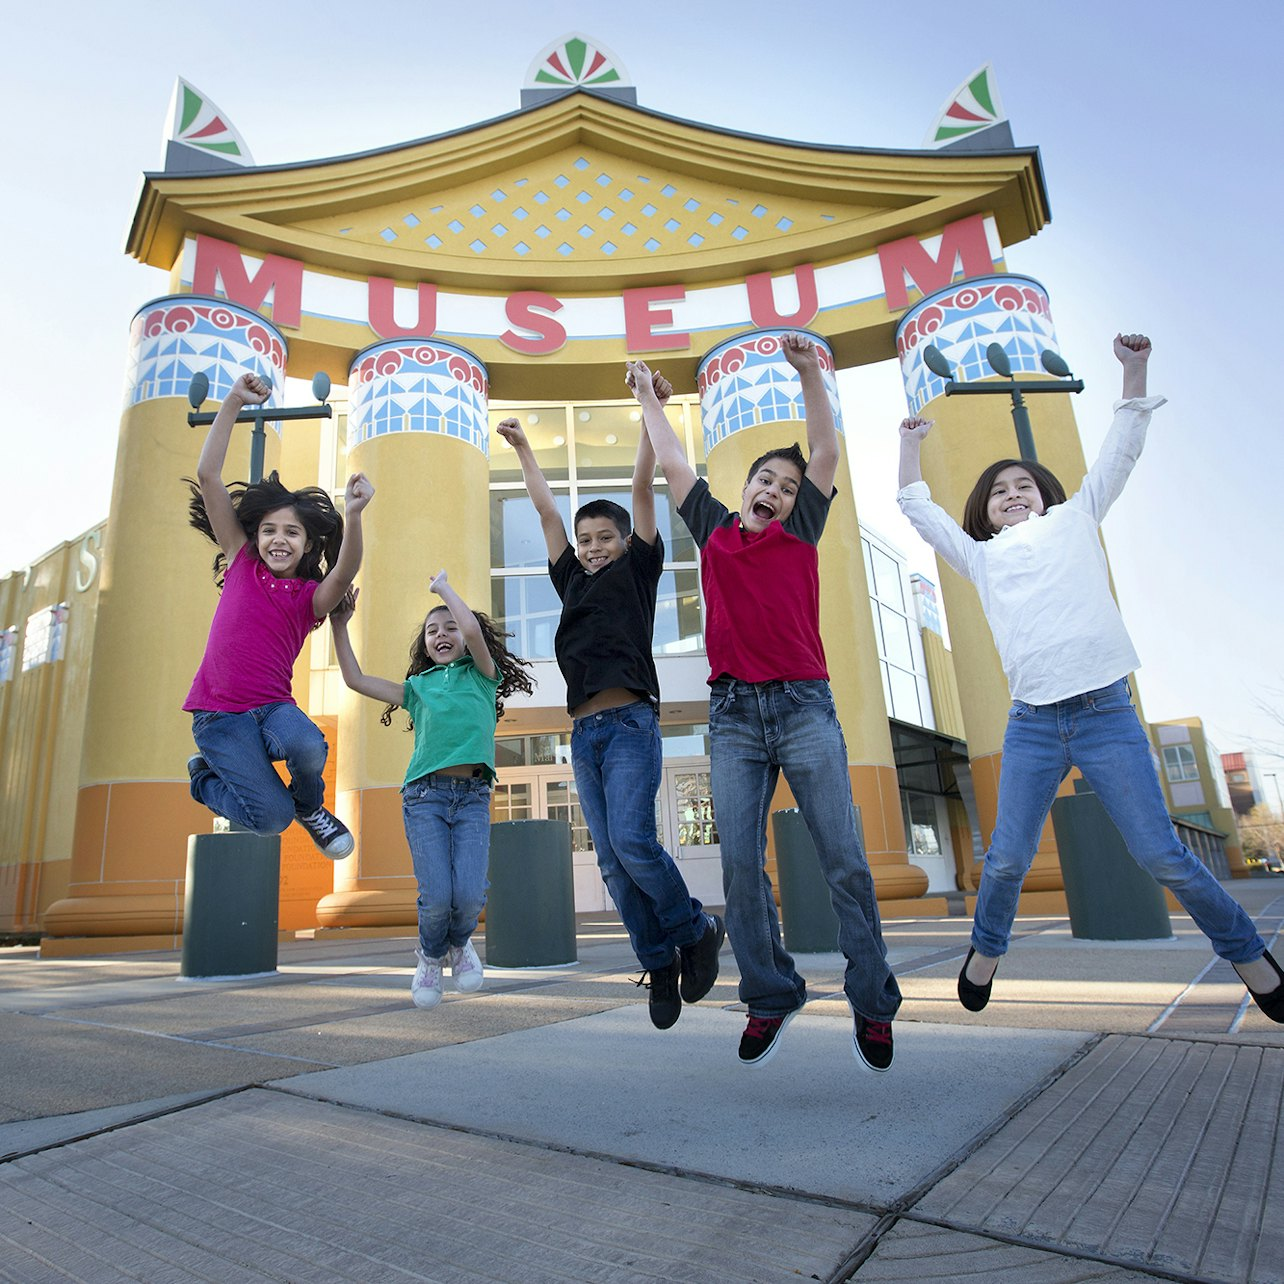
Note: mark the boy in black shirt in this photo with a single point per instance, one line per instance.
(607, 581)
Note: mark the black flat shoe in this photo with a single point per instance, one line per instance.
(1272, 1002)
(975, 997)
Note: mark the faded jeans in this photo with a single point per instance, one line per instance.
(757, 730)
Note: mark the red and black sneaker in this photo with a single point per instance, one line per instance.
(872, 1043)
(761, 1038)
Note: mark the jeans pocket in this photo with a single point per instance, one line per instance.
(721, 701)
(1019, 710)
(810, 691)
(637, 718)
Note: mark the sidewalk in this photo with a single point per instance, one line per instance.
(1113, 1115)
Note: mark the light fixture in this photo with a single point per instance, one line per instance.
(532, 419)
(585, 416)
(611, 439)
(559, 440)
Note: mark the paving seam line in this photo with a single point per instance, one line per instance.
(997, 1124)
(951, 954)
(643, 1165)
(146, 1117)
(1056, 1249)
(864, 1250)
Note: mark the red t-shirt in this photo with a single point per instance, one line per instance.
(259, 628)
(761, 591)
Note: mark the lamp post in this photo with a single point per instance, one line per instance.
(936, 362)
(199, 389)
(1270, 775)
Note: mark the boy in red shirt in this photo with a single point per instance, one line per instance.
(771, 710)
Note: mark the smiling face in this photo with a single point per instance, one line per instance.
(769, 494)
(281, 541)
(442, 639)
(1013, 498)
(598, 543)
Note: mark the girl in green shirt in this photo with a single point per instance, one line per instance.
(460, 672)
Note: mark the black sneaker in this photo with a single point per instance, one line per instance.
(663, 1002)
(761, 1038)
(700, 961)
(1272, 1002)
(196, 765)
(872, 1043)
(331, 835)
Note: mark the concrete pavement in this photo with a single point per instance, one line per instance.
(1114, 1114)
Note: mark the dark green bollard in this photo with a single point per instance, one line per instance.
(1109, 896)
(808, 921)
(231, 904)
(530, 908)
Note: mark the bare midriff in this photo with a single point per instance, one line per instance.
(611, 698)
(460, 769)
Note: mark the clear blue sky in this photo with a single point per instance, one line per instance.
(1159, 128)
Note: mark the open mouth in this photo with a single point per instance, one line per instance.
(763, 512)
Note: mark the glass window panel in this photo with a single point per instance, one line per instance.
(527, 606)
(921, 824)
(869, 566)
(904, 689)
(678, 618)
(510, 751)
(510, 802)
(562, 803)
(696, 826)
(887, 579)
(685, 740)
(545, 428)
(516, 537)
(606, 440)
(896, 638)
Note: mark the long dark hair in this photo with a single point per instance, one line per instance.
(975, 520)
(252, 503)
(512, 668)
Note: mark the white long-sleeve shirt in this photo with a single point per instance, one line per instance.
(1043, 583)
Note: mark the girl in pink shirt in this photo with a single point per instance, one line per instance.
(284, 563)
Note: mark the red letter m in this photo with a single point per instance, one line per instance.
(221, 261)
(907, 262)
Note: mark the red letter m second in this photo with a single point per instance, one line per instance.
(221, 261)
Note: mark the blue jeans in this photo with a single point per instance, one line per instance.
(616, 757)
(757, 730)
(1099, 733)
(240, 749)
(448, 829)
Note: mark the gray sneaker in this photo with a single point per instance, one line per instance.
(331, 835)
(425, 989)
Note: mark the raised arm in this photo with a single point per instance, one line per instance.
(248, 390)
(822, 433)
(356, 495)
(913, 430)
(381, 689)
(469, 629)
(537, 488)
(1133, 351)
(644, 468)
(669, 451)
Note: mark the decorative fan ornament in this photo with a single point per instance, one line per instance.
(576, 60)
(972, 107)
(197, 122)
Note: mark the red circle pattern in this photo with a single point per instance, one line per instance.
(1005, 296)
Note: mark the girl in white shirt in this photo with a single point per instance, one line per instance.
(1039, 568)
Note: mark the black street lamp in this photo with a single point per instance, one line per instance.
(998, 361)
(199, 389)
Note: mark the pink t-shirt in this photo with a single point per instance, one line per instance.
(259, 628)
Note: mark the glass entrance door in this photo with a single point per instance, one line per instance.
(689, 831)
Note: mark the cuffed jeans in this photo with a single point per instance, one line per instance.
(448, 828)
(757, 730)
(616, 758)
(1099, 733)
(241, 783)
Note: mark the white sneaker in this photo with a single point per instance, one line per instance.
(425, 989)
(466, 967)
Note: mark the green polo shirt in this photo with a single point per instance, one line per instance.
(453, 707)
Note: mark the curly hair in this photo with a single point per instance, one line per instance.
(252, 502)
(513, 670)
(975, 520)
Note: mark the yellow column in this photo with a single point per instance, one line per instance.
(156, 599)
(417, 426)
(751, 403)
(971, 433)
